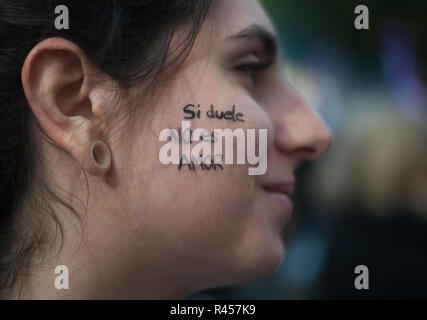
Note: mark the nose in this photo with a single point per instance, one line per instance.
(300, 132)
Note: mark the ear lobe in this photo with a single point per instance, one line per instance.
(58, 80)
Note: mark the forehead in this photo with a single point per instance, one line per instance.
(229, 17)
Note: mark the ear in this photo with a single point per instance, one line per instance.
(61, 85)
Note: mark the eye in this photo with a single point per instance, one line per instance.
(251, 70)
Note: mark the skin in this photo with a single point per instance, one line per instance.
(152, 231)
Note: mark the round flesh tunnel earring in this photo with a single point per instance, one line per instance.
(101, 158)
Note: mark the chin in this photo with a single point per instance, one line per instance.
(271, 261)
(260, 262)
(252, 266)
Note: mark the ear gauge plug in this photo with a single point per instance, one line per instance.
(100, 158)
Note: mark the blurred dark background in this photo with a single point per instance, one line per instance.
(365, 203)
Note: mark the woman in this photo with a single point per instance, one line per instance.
(82, 185)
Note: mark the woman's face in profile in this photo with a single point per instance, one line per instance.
(209, 227)
(165, 231)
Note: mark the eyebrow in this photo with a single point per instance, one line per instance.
(256, 31)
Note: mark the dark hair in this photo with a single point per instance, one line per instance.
(127, 39)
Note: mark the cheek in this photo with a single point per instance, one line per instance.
(210, 215)
(161, 199)
(189, 205)
(200, 206)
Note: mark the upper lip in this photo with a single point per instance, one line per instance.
(286, 188)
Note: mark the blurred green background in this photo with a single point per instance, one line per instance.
(365, 203)
(306, 25)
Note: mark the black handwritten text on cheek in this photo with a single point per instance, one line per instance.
(191, 165)
(193, 112)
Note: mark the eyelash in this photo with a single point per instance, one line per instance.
(255, 68)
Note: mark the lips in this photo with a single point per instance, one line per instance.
(281, 193)
(286, 188)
